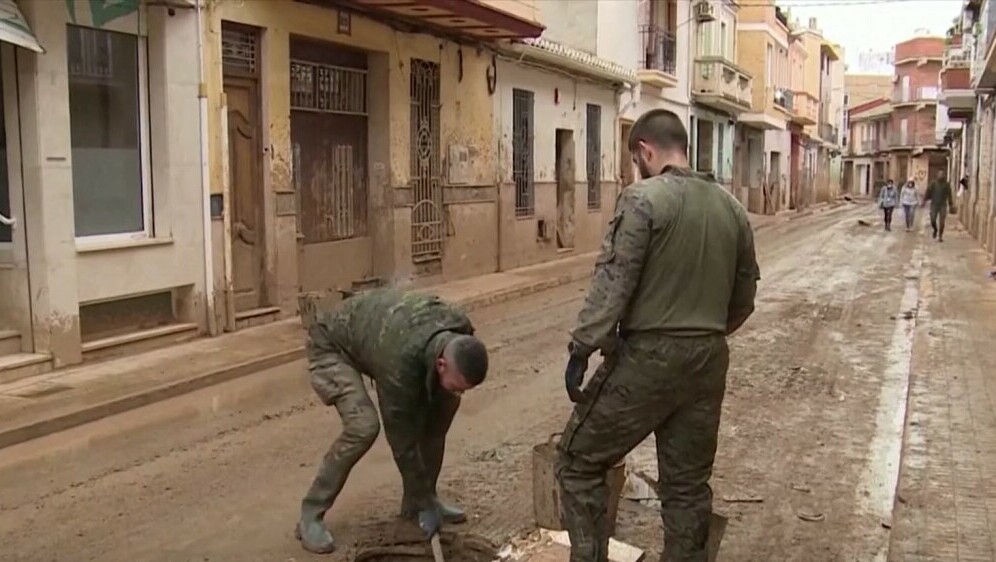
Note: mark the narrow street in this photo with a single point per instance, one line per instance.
(808, 457)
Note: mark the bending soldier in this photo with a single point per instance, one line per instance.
(675, 276)
(422, 354)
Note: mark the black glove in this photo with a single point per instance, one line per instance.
(574, 376)
(430, 521)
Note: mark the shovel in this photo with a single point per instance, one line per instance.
(437, 548)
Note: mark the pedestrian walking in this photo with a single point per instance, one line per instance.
(941, 201)
(422, 354)
(659, 310)
(888, 198)
(910, 200)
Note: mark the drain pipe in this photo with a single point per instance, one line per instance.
(202, 103)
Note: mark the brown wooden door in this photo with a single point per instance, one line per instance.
(246, 191)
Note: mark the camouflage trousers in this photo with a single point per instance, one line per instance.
(673, 388)
(339, 384)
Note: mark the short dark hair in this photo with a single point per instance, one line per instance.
(660, 128)
(471, 358)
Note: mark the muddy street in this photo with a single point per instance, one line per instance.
(807, 464)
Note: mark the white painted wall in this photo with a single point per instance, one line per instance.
(549, 115)
(575, 23)
(618, 32)
(781, 142)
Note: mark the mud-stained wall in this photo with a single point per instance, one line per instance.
(560, 102)
(66, 271)
(465, 121)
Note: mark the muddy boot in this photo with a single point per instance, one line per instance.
(314, 536)
(311, 530)
(448, 512)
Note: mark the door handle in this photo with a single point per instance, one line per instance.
(8, 221)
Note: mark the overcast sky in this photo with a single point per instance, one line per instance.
(860, 25)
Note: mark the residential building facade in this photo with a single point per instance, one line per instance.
(763, 141)
(101, 197)
(866, 160)
(917, 152)
(863, 88)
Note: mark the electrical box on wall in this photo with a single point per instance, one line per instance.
(459, 171)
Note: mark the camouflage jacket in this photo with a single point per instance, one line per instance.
(394, 338)
(677, 259)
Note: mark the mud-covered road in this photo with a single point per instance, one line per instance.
(805, 463)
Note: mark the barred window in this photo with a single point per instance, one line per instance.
(593, 155)
(522, 152)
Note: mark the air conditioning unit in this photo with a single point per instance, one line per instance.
(705, 11)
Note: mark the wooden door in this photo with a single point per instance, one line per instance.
(246, 192)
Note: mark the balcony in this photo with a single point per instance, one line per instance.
(913, 140)
(828, 133)
(806, 109)
(957, 93)
(483, 20)
(923, 95)
(660, 57)
(957, 56)
(720, 84)
(872, 146)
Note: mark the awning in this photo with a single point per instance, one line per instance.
(14, 29)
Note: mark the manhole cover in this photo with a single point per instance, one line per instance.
(455, 549)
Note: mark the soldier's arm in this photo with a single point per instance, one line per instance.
(617, 274)
(745, 283)
(402, 410)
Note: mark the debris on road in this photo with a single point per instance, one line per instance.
(618, 551)
(743, 499)
(801, 488)
(863, 222)
(813, 517)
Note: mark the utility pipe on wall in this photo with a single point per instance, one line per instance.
(212, 323)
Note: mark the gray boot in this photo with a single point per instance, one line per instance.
(314, 536)
(311, 530)
(449, 513)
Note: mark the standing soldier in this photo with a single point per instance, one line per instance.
(941, 200)
(676, 275)
(422, 354)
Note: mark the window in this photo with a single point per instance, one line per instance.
(723, 41)
(108, 116)
(593, 155)
(522, 152)
(720, 145)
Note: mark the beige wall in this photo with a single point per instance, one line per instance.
(67, 272)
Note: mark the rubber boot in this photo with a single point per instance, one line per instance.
(448, 512)
(433, 448)
(311, 530)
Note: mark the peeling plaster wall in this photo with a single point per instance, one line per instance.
(465, 121)
(520, 244)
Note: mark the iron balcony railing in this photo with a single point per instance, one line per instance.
(915, 138)
(923, 93)
(660, 49)
(828, 132)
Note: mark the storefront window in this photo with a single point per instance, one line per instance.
(108, 107)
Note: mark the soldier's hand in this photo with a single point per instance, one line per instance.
(429, 520)
(574, 376)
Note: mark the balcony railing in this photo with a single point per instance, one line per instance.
(785, 99)
(716, 77)
(912, 95)
(660, 49)
(957, 57)
(912, 139)
(873, 145)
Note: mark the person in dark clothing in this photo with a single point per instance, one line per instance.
(422, 354)
(887, 201)
(941, 201)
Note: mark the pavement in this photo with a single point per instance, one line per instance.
(946, 503)
(66, 398)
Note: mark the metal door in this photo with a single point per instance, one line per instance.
(427, 192)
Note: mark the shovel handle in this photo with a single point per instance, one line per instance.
(437, 548)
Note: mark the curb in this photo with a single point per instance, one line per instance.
(118, 405)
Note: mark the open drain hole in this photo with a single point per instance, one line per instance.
(455, 549)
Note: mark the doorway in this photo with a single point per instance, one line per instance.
(15, 307)
(704, 146)
(248, 237)
(626, 173)
(772, 201)
(564, 176)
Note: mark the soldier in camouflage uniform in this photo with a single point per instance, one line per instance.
(421, 353)
(675, 276)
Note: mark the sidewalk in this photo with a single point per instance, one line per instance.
(946, 502)
(56, 401)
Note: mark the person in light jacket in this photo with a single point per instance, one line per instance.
(887, 201)
(909, 199)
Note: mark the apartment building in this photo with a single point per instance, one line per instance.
(721, 91)
(866, 160)
(917, 151)
(763, 141)
(863, 88)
